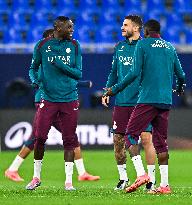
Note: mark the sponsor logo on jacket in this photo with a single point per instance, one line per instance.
(160, 44)
(126, 60)
(65, 59)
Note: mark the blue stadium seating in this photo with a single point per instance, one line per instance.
(35, 34)
(19, 35)
(4, 35)
(172, 33)
(21, 17)
(96, 21)
(155, 4)
(88, 34)
(183, 5)
(113, 16)
(111, 34)
(97, 4)
(188, 34)
(123, 4)
(43, 18)
(4, 17)
(91, 17)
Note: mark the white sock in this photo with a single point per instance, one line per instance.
(122, 172)
(68, 172)
(80, 166)
(138, 164)
(151, 173)
(164, 175)
(16, 163)
(37, 168)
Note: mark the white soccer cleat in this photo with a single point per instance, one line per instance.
(69, 187)
(33, 184)
(122, 184)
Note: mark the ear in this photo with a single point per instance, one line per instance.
(136, 28)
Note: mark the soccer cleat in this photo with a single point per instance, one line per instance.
(150, 186)
(69, 187)
(161, 190)
(122, 184)
(13, 175)
(88, 177)
(138, 182)
(33, 184)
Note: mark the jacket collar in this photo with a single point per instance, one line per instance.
(133, 42)
(154, 35)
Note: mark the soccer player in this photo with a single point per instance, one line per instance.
(126, 100)
(12, 172)
(156, 62)
(61, 67)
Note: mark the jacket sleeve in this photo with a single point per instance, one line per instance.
(35, 63)
(73, 72)
(112, 78)
(133, 73)
(179, 73)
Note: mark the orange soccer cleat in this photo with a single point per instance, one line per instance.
(138, 182)
(13, 175)
(161, 190)
(88, 177)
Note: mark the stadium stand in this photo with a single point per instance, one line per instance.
(98, 21)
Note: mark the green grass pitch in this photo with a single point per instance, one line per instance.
(100, 192)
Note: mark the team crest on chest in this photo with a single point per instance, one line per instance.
(48, 49)
(68, 50)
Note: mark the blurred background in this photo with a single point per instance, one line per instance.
(98, 28)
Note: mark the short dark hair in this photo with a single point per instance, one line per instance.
(61, 19)
(152, 26)
(47, 33)
(135, 19)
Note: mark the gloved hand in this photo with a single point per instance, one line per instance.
(35, 85)
(180, 89)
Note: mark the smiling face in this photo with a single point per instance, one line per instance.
(129, 28)
(65, 29)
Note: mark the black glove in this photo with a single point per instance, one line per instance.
(35, 85)
(180, 89)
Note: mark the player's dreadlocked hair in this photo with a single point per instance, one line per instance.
(61, 19)
(135, 19)
(152, 26)
(47, 33)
